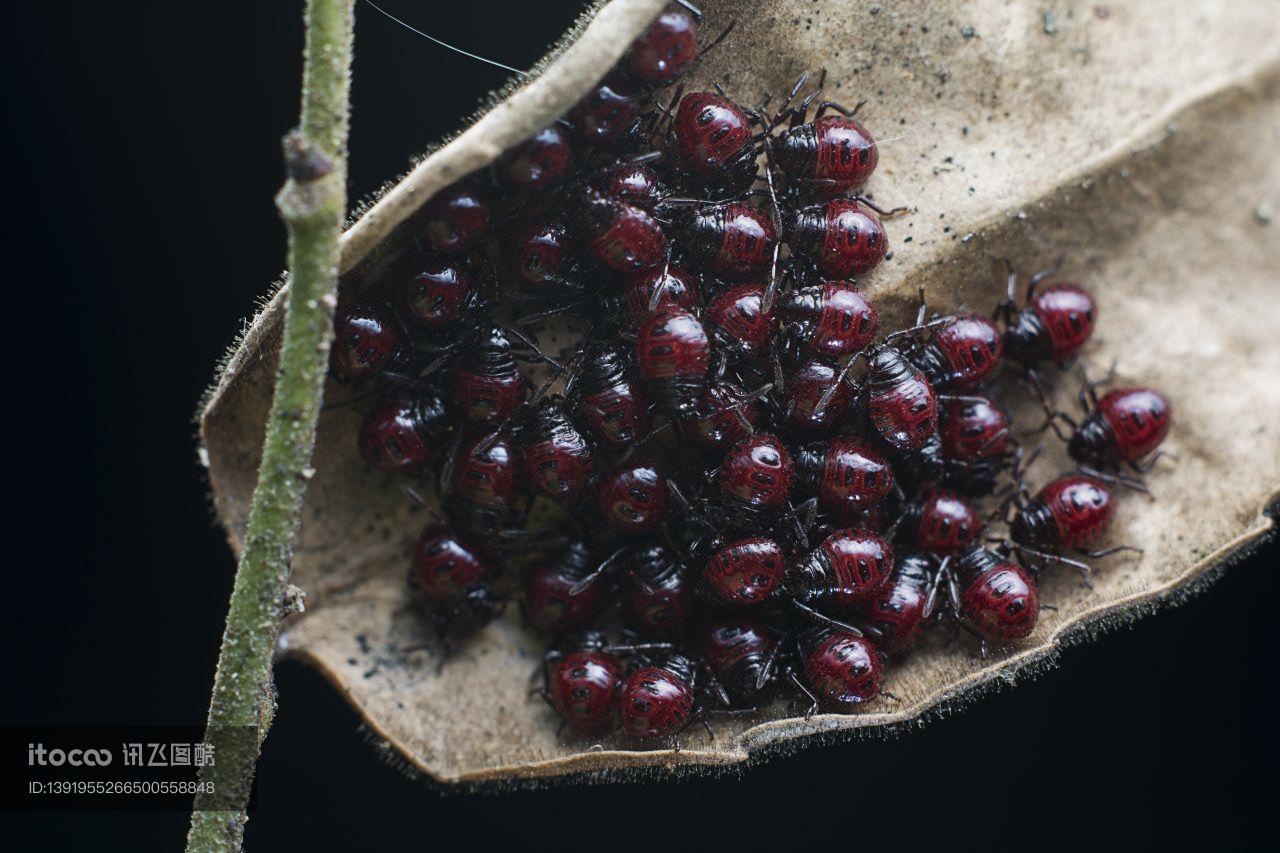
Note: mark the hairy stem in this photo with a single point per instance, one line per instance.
(312, 204)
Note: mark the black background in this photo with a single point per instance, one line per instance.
(144, 158)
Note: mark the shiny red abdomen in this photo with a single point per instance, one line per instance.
(403, 434)
(538, 162)
(624, 237)
(745, 571)
(902, 404)
(434, 295)
(970, 347)
(739, 649)
(583, 688)
(1001, 603)
(739, 316)
(655, 703)
(844, 670)
(487, 399)
(1139, 419)
(446, 566)
(366, 340)
(1069, 314)
(947, 524)
(487, 477)
(677, 289)
(860, 561)
(708, 131)
(559, 465)
(537, 251)
(837, 320)
(672, 344)
(896, 614)
(457, 219)
(805, 389)
(1082, 509)
(843, 238)
(855, 476)
(758, 471)
(607, 113)
(632, 500)
(665, 50)
(973, 430)
(847, 154)
(733, 240)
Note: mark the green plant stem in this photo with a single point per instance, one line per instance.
(312, 204)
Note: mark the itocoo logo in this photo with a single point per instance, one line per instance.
(38, 755)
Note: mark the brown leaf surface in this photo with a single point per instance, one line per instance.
(1140, 144)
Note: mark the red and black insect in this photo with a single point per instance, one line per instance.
(806, 387)
(632, 500)
(484, 475)
(673, 353)
(731, 240)
(367, 340)
(831, 319)
(962, 353)
(991, 596)
(458, 218)
(652, 290)
(976, 443)
(539, 251)
(631, 180)
(741, 652)
(663, 52)
(940, 522)
(609, 115)
(831, 154)
(755, 480)
(845, 474)
(556, 599)
(827, 156)
(606, 397)
(539, 162)
(844, 670)
(745, 572)
(973, 428)
(1054, 323)
(1125, 426)
(711, 142)
(845, 570)
(405, 432)
(896, 615)
(741, 325)
(659, 701)
(581, 682)
(487, 386)
(436, 294)
(726, 416)
(1073, 512)
(901, 402)
(621, 236)
(659, 597)
(840, 239)
(558, 460)
(456, 579)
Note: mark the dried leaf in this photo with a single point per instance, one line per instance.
(1141, 145)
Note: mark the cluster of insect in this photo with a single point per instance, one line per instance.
(760, 489)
